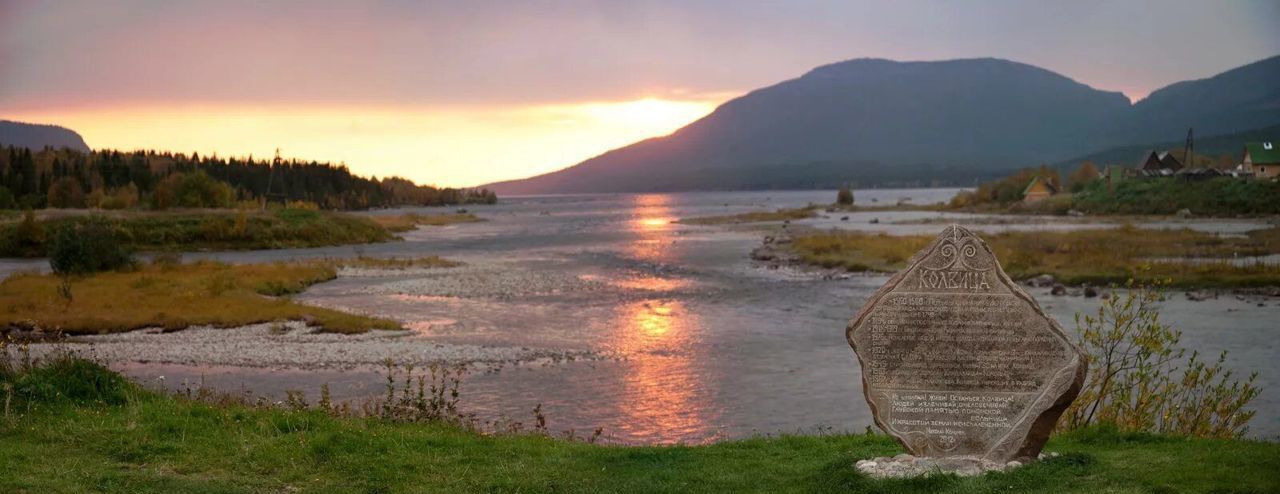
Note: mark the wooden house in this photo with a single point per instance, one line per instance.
(1153, 161)
(1039, 189)
(1261, 159)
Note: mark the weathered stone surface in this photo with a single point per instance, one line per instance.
(958, 361)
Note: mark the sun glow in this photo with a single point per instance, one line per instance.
(451, 146)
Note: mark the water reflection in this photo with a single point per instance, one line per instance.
(662, 395)
(652, 283)
(654, 325)
(652, 222)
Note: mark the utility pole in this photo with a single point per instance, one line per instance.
(1190, 147)
(271, 173)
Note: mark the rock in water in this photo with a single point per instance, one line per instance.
(958, 361)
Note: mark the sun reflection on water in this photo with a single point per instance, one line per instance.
(662, 394)
(652, 221)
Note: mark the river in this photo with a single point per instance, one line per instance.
(702, 345)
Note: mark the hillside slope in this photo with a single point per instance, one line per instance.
(36, 136)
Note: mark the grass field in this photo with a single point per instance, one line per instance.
(75, 427)
(176, 296)
(1076, 257)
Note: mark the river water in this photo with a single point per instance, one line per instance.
(702, 344)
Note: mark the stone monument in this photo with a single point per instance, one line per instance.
(959, 362)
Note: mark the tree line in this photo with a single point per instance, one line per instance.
(111, 179)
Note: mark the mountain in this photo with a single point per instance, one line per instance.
(881, 122)
(1211, 148)
(1240, 99)
(36, 136)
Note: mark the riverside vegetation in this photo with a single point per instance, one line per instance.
(113, 436)
(1141, 379)
(279, 228)
(97, 287)
(1077, 257)
(1087, 192)
(173, 296)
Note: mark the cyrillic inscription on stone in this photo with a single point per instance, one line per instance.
(957, 360)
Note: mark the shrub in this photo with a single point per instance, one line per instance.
(7, 200)
(32, 201)
(192, 190)
(95, 199)
(844, 196)
(1006, 190)
(1139, 380)
(87, 247)
(66, 193)
(61, 377)
(121, 198)
(26, 239)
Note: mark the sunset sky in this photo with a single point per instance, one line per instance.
(464, 93)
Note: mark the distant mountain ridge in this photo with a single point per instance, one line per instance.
(1212, 147)
(1244, 98)
(37, 136)
(871, 121)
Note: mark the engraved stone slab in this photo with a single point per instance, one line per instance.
(957, 360)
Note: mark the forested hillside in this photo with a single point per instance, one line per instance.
(68, 178)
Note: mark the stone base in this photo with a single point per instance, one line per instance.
(905, 465)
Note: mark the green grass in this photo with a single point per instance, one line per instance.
(1216, 197)
(76, 427)
(1076, 257)
(176, 296)
(208, 230)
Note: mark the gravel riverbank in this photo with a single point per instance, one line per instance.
(292, 345)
